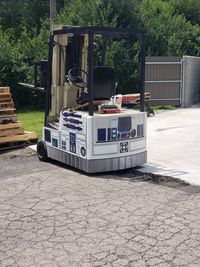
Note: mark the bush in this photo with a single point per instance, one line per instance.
(17, 59)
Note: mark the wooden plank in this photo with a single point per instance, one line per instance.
(134, 98)
(5, 99)
(7, 111)
(5, 95)
(9, 132)
(16, 138)
(6, 105)
(12, 145)
(8, 118)
(4, 89)
(11, 125)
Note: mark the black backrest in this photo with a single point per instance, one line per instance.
(104, 83)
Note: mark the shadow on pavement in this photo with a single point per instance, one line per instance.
(133, 175)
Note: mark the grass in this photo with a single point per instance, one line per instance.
(32, 121)
(167, 107)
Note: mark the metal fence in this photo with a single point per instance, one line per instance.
(163, 79)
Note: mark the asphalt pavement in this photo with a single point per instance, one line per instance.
(51, 215)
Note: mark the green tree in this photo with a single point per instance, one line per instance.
(169, 34)
(87, 13)
(124, 57)
(190, 9)
(25, 13)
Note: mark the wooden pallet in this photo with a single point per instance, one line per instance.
(12, 125)
(11, 129)
(18, 138)
(26, 136)
(7, 111)
(134, 98)
(4, 97)
(4, 133)
(8, 118)
(5, 105)
(4, 90)
(17, 144)
(12, 134)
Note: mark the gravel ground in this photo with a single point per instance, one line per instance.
(54, 216)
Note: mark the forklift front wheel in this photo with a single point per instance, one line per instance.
(42, 151)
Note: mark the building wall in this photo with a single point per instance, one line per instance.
(191, 81)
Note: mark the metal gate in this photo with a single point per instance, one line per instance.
(163, 79)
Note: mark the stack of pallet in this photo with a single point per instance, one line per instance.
(11, 132)
(134, 98)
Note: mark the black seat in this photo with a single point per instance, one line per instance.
(104, 85)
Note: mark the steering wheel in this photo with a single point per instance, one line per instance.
(76, 77)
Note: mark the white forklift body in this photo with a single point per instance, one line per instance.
(75, 132)
(99, 143)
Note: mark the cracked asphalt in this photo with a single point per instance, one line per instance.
(51, 215)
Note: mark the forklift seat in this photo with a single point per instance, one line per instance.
(104, 85)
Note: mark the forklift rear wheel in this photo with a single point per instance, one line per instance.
(42, 151)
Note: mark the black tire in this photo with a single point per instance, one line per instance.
(42, 151)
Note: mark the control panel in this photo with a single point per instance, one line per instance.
(124, 128)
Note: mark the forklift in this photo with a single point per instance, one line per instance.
(86, 126)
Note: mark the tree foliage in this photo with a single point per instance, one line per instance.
(190, 9)
(170, 34)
